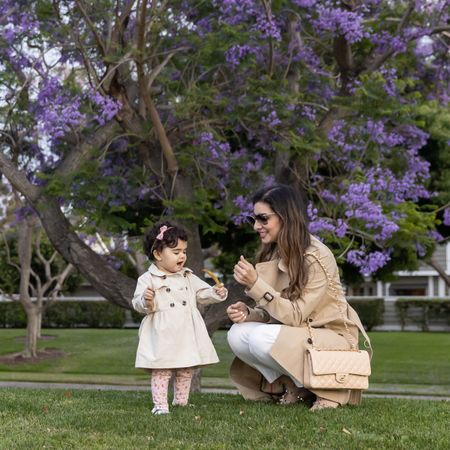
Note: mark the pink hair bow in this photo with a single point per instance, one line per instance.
(162, 230)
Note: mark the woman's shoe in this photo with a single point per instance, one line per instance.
(323, 403)
(296, 395)
(292, 393)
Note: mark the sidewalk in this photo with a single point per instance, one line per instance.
(415, 392)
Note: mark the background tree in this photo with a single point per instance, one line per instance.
(32, 269)
(122, 111)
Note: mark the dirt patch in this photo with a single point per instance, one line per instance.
(43, 354)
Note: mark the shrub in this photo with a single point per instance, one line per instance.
(12, 315)
(136, 316)
(67, 314)
(370, 310)
(422, 309)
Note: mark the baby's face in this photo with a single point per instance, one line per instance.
(172, 260)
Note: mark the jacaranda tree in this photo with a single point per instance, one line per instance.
(115, 112)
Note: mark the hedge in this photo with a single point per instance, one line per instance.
(66, 314)
(370, 310)
(12, 315)
(136, 316)
(102, 314)
(424, 309)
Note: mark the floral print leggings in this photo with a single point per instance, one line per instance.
(181, 387)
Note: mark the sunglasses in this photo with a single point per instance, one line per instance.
(260, 218)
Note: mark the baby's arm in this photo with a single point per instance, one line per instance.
(144, 296)
(149, 297)
(205, 293)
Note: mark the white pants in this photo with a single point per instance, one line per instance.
(251, 342)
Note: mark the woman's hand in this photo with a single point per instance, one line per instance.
(237, 312)
(245, 273)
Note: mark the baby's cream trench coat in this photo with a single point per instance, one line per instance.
(174, 334)
(319, 305)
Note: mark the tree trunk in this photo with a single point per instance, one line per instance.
(110, 283)
(31, 339)
(440, 270)
(39, 325)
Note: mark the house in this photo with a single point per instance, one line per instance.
(423, 282)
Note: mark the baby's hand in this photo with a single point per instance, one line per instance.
(149, 296)
(220, 290)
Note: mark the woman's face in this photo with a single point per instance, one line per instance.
(267, 223)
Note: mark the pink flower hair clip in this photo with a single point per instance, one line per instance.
(162, 230)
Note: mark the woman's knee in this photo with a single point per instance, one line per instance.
(234, 336)
(261, 340)
(239, 334)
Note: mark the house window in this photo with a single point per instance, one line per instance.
(406, 291)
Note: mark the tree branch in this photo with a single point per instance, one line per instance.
(172, 164)
(91, 26)
(268, 11)
(439, 269)
(77, 155)
(373, 63)
(18, 179)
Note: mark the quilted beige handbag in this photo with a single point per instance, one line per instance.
(337, 368)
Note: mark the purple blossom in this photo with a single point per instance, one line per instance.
(340, 22)
(267, 27)
(236, 53)
(446, 218)
(107, 107)
(341, 228)
(57, 110)
(305, 3)
(436, 236)
(368, 263)
(271, 119)
(246, 208)
(421, 252)
(236, 11)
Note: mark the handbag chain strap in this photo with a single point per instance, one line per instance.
(334, 289)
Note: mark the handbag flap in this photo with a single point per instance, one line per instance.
(325, 362)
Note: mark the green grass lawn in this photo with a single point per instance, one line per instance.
(107, 356)
(121, 420)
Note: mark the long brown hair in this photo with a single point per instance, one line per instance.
(293, 238)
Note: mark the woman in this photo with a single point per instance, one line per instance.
(297, 291)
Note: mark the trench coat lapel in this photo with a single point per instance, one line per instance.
(274, 273)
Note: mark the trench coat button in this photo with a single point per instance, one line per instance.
(310, 320)
(185, 274)
(164, 277)
(184, 302)
(172, 305)
(309, 341)
(167, 289)
(186, 287)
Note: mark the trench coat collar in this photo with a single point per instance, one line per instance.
(153, 269)
(278, 262)
(272, 264)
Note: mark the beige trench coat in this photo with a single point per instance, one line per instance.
(174, 335)
(319, 306)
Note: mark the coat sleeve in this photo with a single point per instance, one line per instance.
(257, 314)
(138, 302)
(204, 293)
(294, 313)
